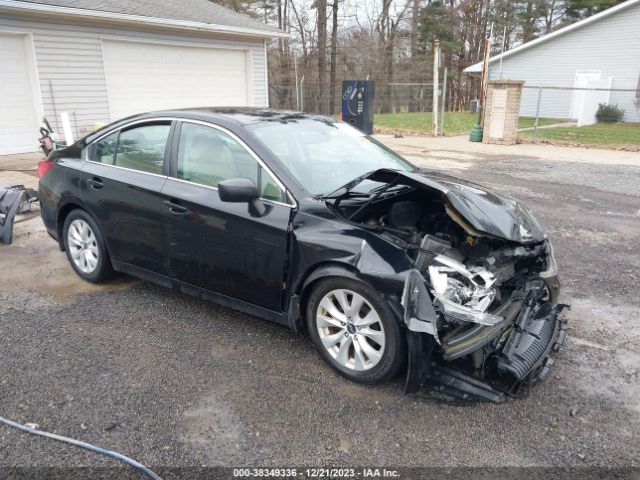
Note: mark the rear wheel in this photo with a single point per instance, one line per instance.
(85, 247)
(354, 330)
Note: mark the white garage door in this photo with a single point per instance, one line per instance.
(18, 117)
(150, 76)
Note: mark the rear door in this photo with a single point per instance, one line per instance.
(216, 245)
(122, 187)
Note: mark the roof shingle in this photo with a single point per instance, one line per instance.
(203, 11)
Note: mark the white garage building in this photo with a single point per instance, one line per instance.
(600, 52)
(100, 60)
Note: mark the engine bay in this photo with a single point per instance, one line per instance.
(469, 273)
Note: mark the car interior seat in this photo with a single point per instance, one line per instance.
(208, 161)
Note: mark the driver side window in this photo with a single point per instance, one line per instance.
(207, 156)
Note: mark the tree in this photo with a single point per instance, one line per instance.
(321, 25)
(387, 27)
(580, 9)
(390, 41)
(334, 57)
(552, 12)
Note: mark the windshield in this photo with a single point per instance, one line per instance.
(324, 155)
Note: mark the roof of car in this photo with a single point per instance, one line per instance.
(238, 115)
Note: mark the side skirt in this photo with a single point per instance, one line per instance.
(198, 292)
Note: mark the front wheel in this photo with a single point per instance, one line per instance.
(354, 330)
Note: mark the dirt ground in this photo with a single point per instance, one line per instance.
(172, 381)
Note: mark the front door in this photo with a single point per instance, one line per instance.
(216, 245)
(121, 186)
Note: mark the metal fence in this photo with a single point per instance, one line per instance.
(550, 106)
(390, 98)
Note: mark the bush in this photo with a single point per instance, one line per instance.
(608, 113)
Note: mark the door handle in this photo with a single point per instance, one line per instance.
(175, 209)
(95, 183)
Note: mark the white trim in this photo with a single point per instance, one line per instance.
(173, 43)
(34, 79)
(34, 75)
(124, 168)
(266, 75)
(477, 67)
(139, 19)
(248, 59)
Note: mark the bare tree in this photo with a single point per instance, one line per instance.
(387, 27)
(300, 27)
(334, 49)
(321, 22)
(552, 12)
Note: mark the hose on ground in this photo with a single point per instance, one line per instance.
(103, 451)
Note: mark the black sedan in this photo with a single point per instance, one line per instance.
(305, 221)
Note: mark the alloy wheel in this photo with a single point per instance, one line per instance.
(83, 246)
(350, 329)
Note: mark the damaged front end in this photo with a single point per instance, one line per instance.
(488, 336)
(481, 301)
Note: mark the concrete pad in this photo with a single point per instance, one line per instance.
(34, 263)
(9, 178)
(21, 161)
(460, 149)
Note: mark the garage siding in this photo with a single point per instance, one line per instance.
(69, 62)
(610, 45)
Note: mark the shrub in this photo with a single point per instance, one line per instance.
(608, 113)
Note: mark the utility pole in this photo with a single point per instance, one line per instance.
(321, 24)
(436, 69)
(295, 69)
(477, 131)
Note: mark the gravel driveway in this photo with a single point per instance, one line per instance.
(172, 381)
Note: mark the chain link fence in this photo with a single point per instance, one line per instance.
(555, 106)
(390, 98)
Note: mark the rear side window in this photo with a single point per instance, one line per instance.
(104, 150)
(142, 148)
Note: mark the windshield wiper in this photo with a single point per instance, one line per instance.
(380, 191)
(347, 187)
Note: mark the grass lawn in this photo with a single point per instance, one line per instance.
(455, 123)
(598, 134)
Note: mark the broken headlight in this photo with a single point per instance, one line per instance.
(552, 267)
(463, 294)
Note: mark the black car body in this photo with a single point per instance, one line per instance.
(468, 275)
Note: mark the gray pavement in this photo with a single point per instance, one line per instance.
(174, 381)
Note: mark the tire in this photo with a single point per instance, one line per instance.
(375, 351)
(85, 248)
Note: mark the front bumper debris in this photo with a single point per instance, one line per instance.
(526, 356)
(510, 356)
(14, 201)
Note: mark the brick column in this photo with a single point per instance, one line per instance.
(502, 110)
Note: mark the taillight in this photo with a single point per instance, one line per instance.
(44, 166)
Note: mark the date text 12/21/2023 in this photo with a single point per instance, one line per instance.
(315, 473)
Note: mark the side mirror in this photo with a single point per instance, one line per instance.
(238, 190)
(242, 190)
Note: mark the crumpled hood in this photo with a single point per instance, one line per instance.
(489, 212)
